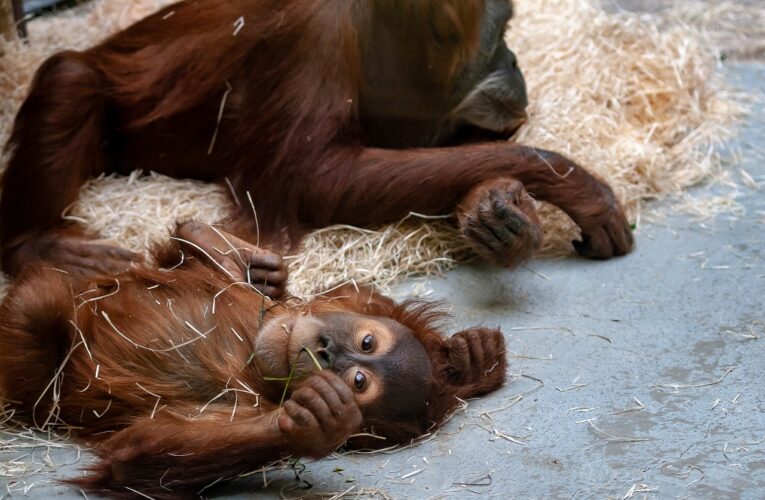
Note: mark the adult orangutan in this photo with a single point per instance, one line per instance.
(189, 375)
(324, 111)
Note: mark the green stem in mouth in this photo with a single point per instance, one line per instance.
(292, 375)
(249, 360)
(313, 357)
(286, 386)
(262, 314)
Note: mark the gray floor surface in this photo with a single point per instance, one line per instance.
(647, 374)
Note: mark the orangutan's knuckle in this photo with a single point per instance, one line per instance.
(320, 385)
(305, 395)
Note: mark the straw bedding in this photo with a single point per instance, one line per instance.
(636, 99)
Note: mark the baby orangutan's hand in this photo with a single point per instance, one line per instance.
(320, 416)
(478, 360)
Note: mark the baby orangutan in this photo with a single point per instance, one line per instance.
(191, 373)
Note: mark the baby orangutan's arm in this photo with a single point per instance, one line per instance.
(171, 455)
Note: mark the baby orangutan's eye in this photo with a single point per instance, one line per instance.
(368, 343)
(360, 381)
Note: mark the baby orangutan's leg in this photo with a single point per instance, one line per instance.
(239, 260)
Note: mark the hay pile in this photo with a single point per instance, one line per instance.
(737, 29)
(643, 107)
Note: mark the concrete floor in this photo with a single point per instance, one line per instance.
(652, 365)
(648, 373)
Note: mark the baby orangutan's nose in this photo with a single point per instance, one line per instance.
(326, 353)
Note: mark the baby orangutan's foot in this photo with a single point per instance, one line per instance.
(241, 261)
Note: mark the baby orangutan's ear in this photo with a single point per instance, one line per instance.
(476, 361)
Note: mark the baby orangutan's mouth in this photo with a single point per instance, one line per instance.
(285, 346)
(272, 346)
(303, 346)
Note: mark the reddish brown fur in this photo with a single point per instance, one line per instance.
(138, 400)
(304, 126)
